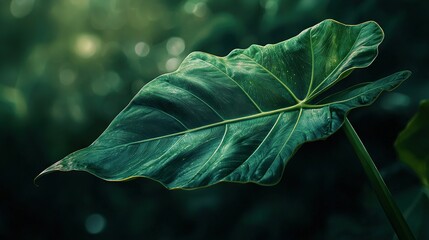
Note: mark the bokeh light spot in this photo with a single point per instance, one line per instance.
(195, 7)
(189, 6)
(21, 8)
(86, 45)
(104, 85)
(95, 223)
(175, 46)
(76, 112)
(16, 98)
(80, 3)
(113, 80)
(67, 77)
(200, 9)
(142, 49)
(270, 5)
(394, 101)
(172, 64)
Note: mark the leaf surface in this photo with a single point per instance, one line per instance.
(412, 143)
(238, 118)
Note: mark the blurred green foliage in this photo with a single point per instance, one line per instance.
(412, 144)
(417, 214)
(67, 67)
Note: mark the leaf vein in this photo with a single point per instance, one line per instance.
(287, 140)
(260, 144)
(164, 112)
(312, 65)
(274, 76)
(230, 78)
(208, 160)
(312, 94)
(201, 100)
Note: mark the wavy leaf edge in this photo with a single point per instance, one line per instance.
(302, 104)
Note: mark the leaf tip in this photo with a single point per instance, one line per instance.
(58, 166)
(402, 76)
(406, 74)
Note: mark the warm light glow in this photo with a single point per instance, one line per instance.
(86, 45)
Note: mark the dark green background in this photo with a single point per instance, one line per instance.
(67, 67)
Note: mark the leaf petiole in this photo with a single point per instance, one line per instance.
(384, 196)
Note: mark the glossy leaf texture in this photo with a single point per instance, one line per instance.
(238, 118)
(412, 143)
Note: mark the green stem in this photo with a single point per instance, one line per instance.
(383, 194)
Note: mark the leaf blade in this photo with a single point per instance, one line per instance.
(238, 118)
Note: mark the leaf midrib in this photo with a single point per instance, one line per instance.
(301, 104)
(249, 117)
(298, 106)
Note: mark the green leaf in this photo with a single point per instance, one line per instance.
(412, 143)
(238, 118)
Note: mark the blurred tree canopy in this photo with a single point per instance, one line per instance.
(67, 67)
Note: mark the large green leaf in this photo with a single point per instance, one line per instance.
(237, 118)
(412, 143)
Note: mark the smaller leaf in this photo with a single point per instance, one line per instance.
(412, 143)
